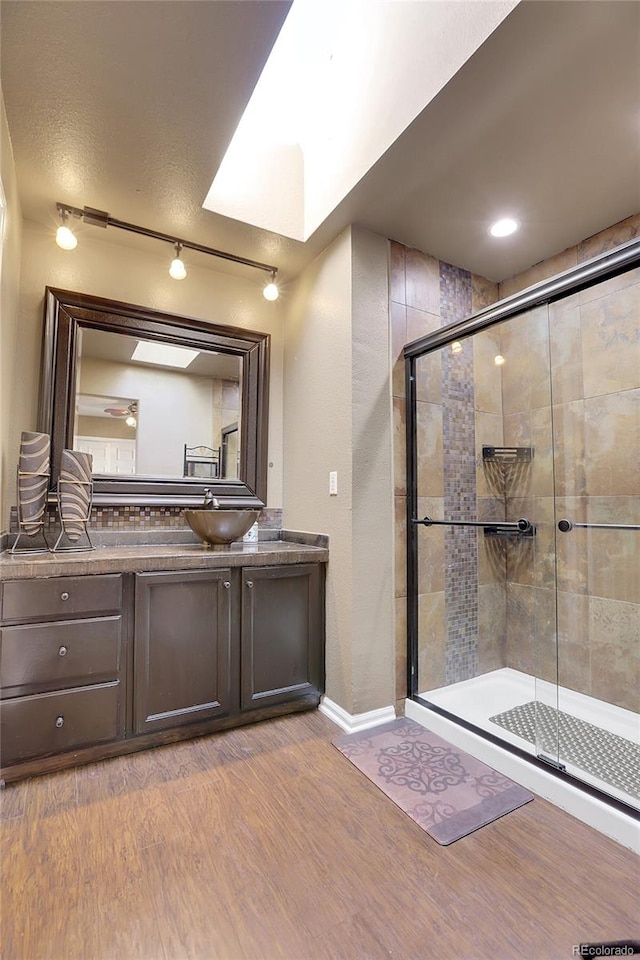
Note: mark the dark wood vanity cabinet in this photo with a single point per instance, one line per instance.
(98, 665)
(61, 665)
(282, 629)
(182, 656)
(225, 641)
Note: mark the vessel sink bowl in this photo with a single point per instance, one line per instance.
(220, 526)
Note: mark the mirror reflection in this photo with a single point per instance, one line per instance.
(145, 408)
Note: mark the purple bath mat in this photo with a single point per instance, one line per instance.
(448, 793)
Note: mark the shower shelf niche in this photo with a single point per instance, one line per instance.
(507, 455)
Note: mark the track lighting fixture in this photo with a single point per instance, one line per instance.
(177, 270)
(271, 291)
(65, 238)
(99, 218)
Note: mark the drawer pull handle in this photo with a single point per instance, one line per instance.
(59, 721)
(226, 584)
(249, 583)
(64, 596)
(62, 652)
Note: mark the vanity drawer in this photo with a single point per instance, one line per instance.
(61, 597)
(52, 722)
(60, 654)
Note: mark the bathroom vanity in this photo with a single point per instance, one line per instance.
(128, 647)
(131, 647)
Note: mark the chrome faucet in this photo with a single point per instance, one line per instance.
(210, 502)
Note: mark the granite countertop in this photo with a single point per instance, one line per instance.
(137, 558)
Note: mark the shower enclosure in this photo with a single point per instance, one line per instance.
(523, 480)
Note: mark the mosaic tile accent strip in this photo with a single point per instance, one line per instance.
(458, 436)
(141, 518)
(605, 755)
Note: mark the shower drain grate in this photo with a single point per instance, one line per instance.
(605, 755)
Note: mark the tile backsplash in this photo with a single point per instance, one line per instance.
(120, 518)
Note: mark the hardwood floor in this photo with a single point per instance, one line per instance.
(265, 842)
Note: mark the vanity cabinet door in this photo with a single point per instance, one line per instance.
(282, 634)
(182, 657)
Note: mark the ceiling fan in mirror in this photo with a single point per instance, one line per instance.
(129, 413)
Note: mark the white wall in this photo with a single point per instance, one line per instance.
(337, 416)
(317, 431)
(137, 274)
(373, 634)
(173, 409)
(9, 294)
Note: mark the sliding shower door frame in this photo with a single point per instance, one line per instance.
(604, 267)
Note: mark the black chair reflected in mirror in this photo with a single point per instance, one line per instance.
(201, 461)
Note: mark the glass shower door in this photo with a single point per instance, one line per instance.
(530, 568)
(484, 528)
(595, 369)
(532, 633)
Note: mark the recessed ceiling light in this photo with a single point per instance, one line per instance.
(502, 228)
(163, 354)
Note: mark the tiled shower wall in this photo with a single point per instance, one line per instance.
(425, 295)
(595, 357)
(599, 617)
(594, 342)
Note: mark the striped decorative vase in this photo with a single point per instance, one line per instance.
(34, 470)
(75, 487)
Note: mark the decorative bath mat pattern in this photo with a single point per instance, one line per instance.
(447, 792)
(605, 755)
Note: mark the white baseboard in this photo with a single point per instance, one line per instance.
(354, 722)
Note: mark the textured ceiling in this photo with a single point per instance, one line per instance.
(129, 107)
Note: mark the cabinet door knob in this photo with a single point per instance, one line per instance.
(64, 596)
(59, 721)
(249, 583)
(226, 584)
(62, 652)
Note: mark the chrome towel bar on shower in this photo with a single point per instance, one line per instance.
(565, 525)
(522, 526)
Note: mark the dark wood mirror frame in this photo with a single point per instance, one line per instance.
(66, 312)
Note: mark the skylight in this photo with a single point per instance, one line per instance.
(162, 354)
(344, 79)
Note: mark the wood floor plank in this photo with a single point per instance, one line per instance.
(41, 858)
(265, 843)
(12, 801)
(47, 796)
(181, 765)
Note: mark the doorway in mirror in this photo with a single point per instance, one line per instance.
(110, 455)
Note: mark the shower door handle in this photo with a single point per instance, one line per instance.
(566, 525)
(523, 525)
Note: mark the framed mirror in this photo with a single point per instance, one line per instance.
(166, 405)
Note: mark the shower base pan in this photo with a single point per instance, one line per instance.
(501, 691)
